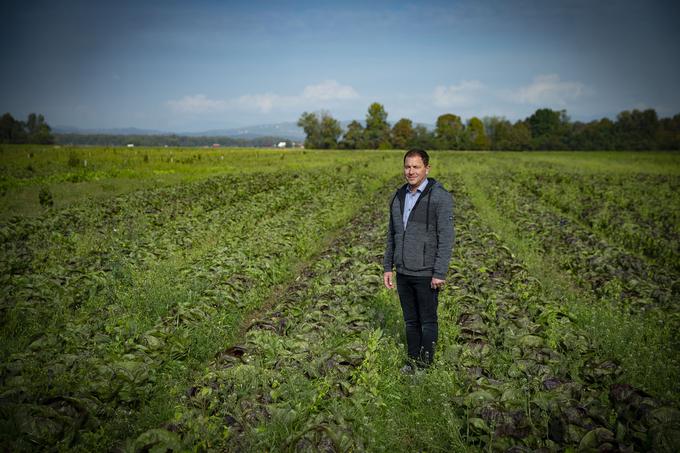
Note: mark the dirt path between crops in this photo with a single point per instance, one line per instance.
(303, 270)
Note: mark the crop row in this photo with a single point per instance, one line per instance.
(601, 267)
(71, 253)
(95, 328)
(288, 384)
(534, 379)
(319, 368)
(639, 212)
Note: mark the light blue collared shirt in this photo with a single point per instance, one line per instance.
(411, 199)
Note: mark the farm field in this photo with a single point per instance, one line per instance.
(232, 300)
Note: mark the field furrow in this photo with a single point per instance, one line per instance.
(638, 211)
(239, 306)
(319, 368)
(151, 320)
(606, 270)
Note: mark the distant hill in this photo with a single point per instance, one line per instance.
(288, 130)
(285, 130)
(113, 131)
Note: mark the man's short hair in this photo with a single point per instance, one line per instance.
(418, 152)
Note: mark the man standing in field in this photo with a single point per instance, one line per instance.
(419, 244)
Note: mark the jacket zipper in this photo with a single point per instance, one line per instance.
(403, 242)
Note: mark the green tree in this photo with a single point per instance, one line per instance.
(637, 130)
(309, 122)
(505, 136)
(34, 130)
(475, 135)
(11, 130)
(38, 130)
(330, 131)
(402, 134)
(595, 135)
(500, 133)
(449, 132)
(422, 138)
(497, 129)
(520, 137)
(668, 136)
(377, 132)
(353, 137)
(321, 128)
(549, 129)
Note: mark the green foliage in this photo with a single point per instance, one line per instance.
(668, 135)
(545, 129)
(594, 135)
(422, 138)
(449, 132)
(505, 136)
(11, 130)
(45, 197)
(34, 130)
(403, 134)
(476, 135)
(353, 137)
(549, 128)
(637, 130)
(330, 132)
(149, 285)
(322, 130)
(601, 273)
(242, 309)
(377, 132)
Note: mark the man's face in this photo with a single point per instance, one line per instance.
(415, 171)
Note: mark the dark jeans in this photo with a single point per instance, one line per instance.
(419, 305)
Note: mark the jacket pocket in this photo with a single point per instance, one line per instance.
(413, 255)
(429, 252)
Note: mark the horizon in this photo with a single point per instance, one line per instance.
(182, 68)
(429, 126)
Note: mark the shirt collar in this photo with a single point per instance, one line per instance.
(420, 188)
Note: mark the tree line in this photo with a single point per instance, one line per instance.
(545, 129)
(33, 130)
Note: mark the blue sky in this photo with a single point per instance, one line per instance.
(192, 66)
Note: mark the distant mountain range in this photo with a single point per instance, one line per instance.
(288, 130)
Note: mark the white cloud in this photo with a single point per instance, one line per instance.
(262, 102)
(329, 90)
(463, 94)
(547, 89)
(197, 104)
(312, 96)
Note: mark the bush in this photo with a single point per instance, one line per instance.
(45, 197)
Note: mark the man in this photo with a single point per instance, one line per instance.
(419, 244)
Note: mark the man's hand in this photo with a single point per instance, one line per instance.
(388, 279)
(437, 283)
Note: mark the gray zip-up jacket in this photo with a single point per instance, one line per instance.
(425, 247)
